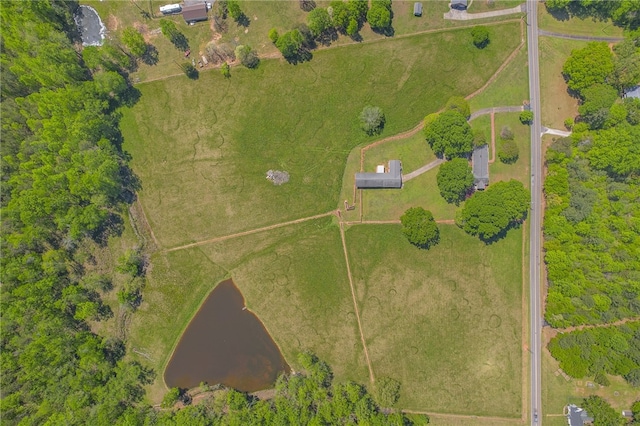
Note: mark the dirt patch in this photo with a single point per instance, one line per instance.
(112, 23)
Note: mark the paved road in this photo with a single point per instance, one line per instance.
(485, 111)
(578, 37)
(534, 221)
(462, 15)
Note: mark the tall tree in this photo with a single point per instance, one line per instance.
(450, 135)
(454, 179)
(420, 228)
(134, 42)
(490, 213)
(588, 66)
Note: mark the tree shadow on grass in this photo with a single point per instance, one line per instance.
(243, 20)
(559, 15)
(180, 41)
(150, 57)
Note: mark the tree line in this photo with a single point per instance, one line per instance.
(592, 204)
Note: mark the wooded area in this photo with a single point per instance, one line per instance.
(592, 193)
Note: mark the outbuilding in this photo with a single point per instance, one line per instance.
(195, 12)
(459, 4)
(170, 9)
(634, 92)
(417, 9)
(480, 167)
(390, 179)
(577, 416)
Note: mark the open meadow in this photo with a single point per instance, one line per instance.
(202, 148)
(447, 322)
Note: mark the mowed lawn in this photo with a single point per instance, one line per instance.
(447, 322)
(556, 103)
(202, 148)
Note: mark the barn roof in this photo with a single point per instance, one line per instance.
(392, 179)
(480, 159)
(195, 12)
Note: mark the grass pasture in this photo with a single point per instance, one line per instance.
(556, 103)
(202, 148)
(445, 322)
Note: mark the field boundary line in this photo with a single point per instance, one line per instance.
(252, 231)
(493, 138)
(463, 416)
(588, 326)
(355, 303)
(392, 222)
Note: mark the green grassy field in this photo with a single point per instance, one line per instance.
(563, 24)
(510, 88)
(556, 103)
(445, 322)
(202, 148)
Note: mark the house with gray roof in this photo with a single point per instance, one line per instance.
(480, 167)
(577, 416)
(390, 179)
(634, 92)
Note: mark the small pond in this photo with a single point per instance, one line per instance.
(92, 30)
(225, 343)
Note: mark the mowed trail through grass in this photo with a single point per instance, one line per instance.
(445, 322)
(202, 148)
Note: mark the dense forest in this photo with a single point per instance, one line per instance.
(592, 211)
(65, 187)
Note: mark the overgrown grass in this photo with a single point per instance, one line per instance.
(522, 135)
(556, 103)
(202, 148)
(561, 23)
(479, 6)
(445, 322)
(510, 88)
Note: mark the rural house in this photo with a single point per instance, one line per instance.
(381, 179)
(480, 160)
(194, 12)
(577, 416)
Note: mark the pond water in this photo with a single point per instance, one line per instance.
(225, 343)
(92, 30)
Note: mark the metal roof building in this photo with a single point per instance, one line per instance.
(577, 416)
(194, 12)
(417, 9)
(459, 4)
(480, 159)
(634, 92)
(391, 179)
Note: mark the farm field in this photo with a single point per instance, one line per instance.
(462, 298)
(202, 148)
(556, 103)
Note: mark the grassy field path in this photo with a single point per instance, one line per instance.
(252, 231)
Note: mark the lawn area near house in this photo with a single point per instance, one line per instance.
(522, 136)
(563, 24)
(556, 103)
(447, 322)
(202, 148)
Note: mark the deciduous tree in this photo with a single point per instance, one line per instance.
(480, 36)
(420, 228)
(450, 135)
(372, 120)
(454, 179)
(588, 66)
(134, 42)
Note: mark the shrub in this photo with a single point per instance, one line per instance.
(247, 56)
(508, 152)
(225, 69)
(372, 120)
(387, 391)
(480, 36)
(479, 138)
(526, 117)
(273, 35)
(170, 398)
(506, 133)
(568, 123)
